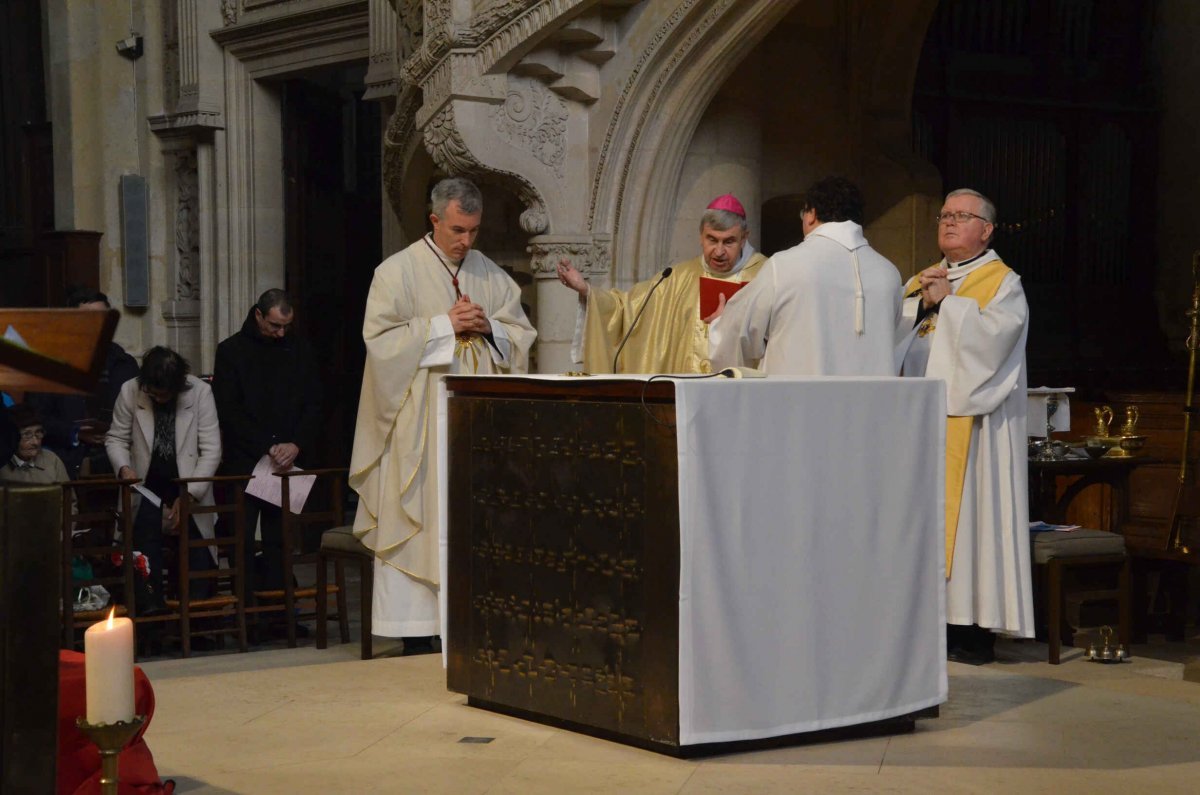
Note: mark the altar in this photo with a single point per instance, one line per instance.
(684, 563)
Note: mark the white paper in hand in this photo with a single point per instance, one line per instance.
(269, 488)
(148, 495)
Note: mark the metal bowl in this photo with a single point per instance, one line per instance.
(1132, 444)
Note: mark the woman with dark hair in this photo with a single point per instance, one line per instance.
(165, 427)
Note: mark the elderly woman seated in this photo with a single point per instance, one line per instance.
(165, 427)
(31, 464)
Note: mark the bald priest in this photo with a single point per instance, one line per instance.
(670, 335)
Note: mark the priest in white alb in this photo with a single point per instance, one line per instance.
(656, 326)
(965, 320)
(436, 307)
(825, 307)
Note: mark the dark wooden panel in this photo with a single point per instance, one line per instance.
(30, 521)
(564, 585)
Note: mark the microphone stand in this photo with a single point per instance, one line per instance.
(666, 272)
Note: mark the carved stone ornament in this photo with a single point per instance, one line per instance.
(446, 145)
(397, 143)
(437, 22)
(534, 119)
(187, 220)
(451, 154)
(592, 258)
(411, 29)
(229, 11)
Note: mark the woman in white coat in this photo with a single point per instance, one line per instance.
(165, 427)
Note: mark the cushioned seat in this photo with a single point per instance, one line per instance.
(342, 539)
(1056, 544)
(1057, 552)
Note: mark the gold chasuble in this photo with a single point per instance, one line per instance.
(981, 286)
(410, 344)
(670, 337)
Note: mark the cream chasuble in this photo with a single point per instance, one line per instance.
(828, 306)
(410, 343)
(670, 337)
(976, 344)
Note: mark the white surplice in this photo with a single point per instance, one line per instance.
(981, 357)
(410, 345)
(825, 307)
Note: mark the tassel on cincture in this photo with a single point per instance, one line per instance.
(860, 303)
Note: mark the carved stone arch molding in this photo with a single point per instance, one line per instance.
(402, 143)
(686, 61)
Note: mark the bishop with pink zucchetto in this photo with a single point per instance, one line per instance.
(729, 203)
(671, 334)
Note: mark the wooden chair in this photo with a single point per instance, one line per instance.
(1056, 556)
(232, 603)
(296, 551)
(91, 532)
(340, 546)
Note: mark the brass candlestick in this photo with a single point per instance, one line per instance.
(1180, 515)
(111, 739)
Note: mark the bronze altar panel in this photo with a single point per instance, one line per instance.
(564, 559)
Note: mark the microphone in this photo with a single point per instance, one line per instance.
(666, 272)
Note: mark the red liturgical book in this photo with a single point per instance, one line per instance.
(711, 288)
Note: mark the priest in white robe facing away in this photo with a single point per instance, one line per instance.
(828, 306)
(436, 307)
(965, 320)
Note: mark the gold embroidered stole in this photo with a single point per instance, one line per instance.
(980, 285)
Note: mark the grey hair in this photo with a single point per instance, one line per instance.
(463, 191)
(721, 220)
(988, 209)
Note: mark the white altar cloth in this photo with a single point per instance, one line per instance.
(812, 553)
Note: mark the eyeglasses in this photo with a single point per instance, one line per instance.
(32, 433)
(962, 216)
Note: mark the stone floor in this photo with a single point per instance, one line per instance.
(308, 721)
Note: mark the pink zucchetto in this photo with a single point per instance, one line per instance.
(729, 203)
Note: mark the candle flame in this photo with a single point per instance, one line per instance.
(112, 611)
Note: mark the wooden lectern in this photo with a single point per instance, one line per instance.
(64, 351)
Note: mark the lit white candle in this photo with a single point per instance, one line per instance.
(108, 662)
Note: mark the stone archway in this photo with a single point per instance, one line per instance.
(636, 184)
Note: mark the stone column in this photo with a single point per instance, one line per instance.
(558, 306)
(181, 309)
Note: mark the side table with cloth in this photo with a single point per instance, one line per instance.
(810, 556)
(78, 757)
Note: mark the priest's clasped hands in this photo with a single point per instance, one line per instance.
(935, 285)
(467, 317)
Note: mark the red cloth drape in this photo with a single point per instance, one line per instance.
(78, 758)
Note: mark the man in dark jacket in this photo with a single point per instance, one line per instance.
(268, 397)
(76, 424)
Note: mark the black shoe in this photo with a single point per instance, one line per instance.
(959, 654)
(418, 645)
